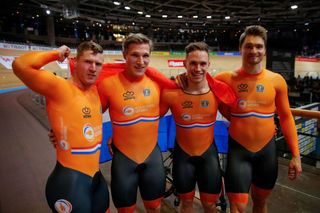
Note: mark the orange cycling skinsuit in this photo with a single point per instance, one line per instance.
(137, 161)
(195, 157)
(75, 116)
(252, 151)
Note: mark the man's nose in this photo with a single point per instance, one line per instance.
(198, 67)
(140, 60)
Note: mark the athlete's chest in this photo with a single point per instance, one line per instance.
(254, 93)
(194, 107)
(134, 99)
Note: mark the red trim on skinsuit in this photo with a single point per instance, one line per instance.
(208, 198)
(238, 197)
(152, 203)
(108, 210)
(261, 193)
(129, 209)
(187, 196)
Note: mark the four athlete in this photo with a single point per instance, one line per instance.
(133, 100)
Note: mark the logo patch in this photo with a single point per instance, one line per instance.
(146, 92)
(242, 104)
(242, 87)
(63, 206)
(88, 132)
(86, 112)
(204, 103)
(186, 117)
(128, 110)
(259, 88)
(64, 145)
(128, 95)
(187, 104)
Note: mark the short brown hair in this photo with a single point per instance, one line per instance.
(196, 46)
(137, 38)
(89, 45)
(254, 30)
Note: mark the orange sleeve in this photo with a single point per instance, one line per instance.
(160, 79)
(27, 69)
(164, 104)
(102, 90)
(286, 119)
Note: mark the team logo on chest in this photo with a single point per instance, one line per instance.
(86, 112)
(63, 206)
(259, 88)
(187, 104)
(88, 132)
(128, 95)
(146, 92)
(204, 103)
(242, 87)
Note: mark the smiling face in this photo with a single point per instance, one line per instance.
(87, 68)
(253, 50)
(197, 64)
(137, 59)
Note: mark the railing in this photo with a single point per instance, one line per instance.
(307, 123)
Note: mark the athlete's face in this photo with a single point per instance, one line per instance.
(88, 67)
(137, 59)
(253, 50)
(197, 64)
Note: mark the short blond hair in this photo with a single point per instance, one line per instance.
(137, 38)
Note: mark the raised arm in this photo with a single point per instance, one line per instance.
(27, 69)
(288, 126)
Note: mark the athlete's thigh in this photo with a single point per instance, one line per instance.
(152, 178)
(239, 169)
(183, 171)
(265, 170)
(100, 197)
(209, 172)
(69, 189)
(124, 180)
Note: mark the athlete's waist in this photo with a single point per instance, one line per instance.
(137, 120)
(195, 124)
(252, 114)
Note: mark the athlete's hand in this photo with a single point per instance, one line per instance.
(52, 138)
(64, 52)
(294, 168)
(109, 143)
(182, 80)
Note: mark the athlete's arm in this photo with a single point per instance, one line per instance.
(164, 105)
(160, 79)
(102, 90)
(27, 68)
(288, 126)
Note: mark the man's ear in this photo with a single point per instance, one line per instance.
(124, 55)
(185, 63)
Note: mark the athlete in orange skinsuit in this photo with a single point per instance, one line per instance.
(74, 112)
(252, 159)
(195, 157)
(133, 102)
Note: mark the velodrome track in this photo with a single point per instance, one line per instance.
(26, 158)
